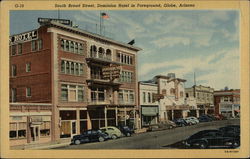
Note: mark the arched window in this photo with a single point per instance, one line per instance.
(108, 54)
(93, 51)
(100, 52)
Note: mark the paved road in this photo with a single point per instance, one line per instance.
(154, 140)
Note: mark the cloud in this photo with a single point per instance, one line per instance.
(153, 18)
(171, 41)
(224, 71)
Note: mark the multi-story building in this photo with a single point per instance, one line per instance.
(172, 102)
(204, 98)
(227, 102)
(149, 105)
(75, 79)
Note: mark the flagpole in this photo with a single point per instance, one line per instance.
(100, 23)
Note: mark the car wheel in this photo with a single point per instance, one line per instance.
(202, 145)
(101, 139)
(236, 144)
(114, 137)
(128, 134)
(77, 142)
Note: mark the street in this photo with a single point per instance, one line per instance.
(165, 139)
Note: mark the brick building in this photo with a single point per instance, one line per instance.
(204, 98)
(88, 80)
(227, 102)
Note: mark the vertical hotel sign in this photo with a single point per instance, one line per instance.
(23, 37)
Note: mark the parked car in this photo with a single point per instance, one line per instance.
(231, 130)
(180, 122)
(204, 118)
(112, 131)
(126, 130)
(211, 117)
(89, 136)
(211, 138)
(193, 120)
(163, 125)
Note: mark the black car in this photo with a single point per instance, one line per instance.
(89, 136)
(127, 131)
(211, 138)
(231, 130)
(180, 122)
(204, 118)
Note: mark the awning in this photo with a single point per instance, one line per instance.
(149, 111)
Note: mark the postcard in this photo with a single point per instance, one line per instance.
(124, 79)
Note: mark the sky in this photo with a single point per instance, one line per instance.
(182, 42)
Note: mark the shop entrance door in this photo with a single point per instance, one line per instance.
(35, 133)
(73, 128)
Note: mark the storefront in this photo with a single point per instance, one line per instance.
(149, 115)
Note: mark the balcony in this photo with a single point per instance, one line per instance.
(122, 102)
(95, 79)
(101, 58)
(100, 101)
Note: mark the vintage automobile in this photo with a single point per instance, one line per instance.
(211, 138)
(204, 118)
(231, 130)
(163, 125)
(192, 120)
(89, 136)
(112, 131)
(127, 131)
(180, 122)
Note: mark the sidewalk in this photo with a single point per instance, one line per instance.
(41, 146)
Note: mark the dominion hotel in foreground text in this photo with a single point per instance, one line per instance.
(64, 80)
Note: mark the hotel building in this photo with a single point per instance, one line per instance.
(65, 80)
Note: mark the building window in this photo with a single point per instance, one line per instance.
(80, 93)
(62, 44)
(18, 130)
(126, 97)
(13, 50)
(40, 44)
(81, 69)
(13, 70)
(81, 49)
(181, 94)
(28, 92)
(144, 97)
(98, 94)
(172, 91)
(33, 45)
(28, 67)
(124, 58)
(164, 92)
(72, 93)
(72, 68)
(72, 46)
(149, 97)
(45, 129)
(64, 92)
(63, 66)
(13, 94)
(19, 46)
(126, 76)
(67, 45)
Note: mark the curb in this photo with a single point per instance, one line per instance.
(49, 146)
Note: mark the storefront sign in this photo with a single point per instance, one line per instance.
(149, 111)
(157, 97)
(62, 21)
(111, 72)
(23, 37)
